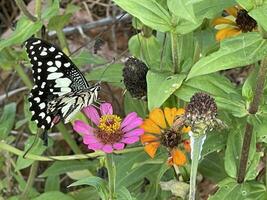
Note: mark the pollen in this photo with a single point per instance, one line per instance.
(109, 123)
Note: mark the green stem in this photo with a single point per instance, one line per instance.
(196, 145)
(23, 8)
(110, 164)
(30, 181)
(24, 77)
(175, 59)
(63, 41)
(253, 109)
(11, 149)
(68, 138)
(38, 12)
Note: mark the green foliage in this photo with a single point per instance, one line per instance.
(176, 40)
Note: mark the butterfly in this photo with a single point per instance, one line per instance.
(60, 90)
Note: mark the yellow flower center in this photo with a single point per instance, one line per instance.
(109, 123)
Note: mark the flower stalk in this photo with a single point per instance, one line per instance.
(175, 59)
(196, 143)
(253, 108)
(110, 164)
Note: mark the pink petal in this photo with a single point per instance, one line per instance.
(134, 123)
(95, 146)
(92, 114)
(81, 127)
(130, 140)
(118, 146)
(135, 132)
(128, 119)
(88, 139)
(107, 148)
(106, 109)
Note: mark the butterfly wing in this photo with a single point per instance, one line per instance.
(54, 76)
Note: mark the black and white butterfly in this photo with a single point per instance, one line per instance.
(60, 89)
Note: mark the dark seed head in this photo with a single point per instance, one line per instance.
(170, 138)
(201, 111)
(134, 77)
(245, 22)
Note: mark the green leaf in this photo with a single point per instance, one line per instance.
(149, 50)
(58, 22)
(183, 9)
(37, 149)
(25, 28)
(134, 105)
(7, 120)
(231, 190)
(111, 74)
(51, 10)
(84, 193)
(53, 195)
(260, 15)
(161, 86)
(231, 54)
(212, 167)
(61, 167)
(124, 193)
(52, 183)
(99, 184)
(149, 13)
(246, 4)
(233, 152)
(85, 58)
(249, 84)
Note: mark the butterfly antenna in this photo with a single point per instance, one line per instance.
(32, 145)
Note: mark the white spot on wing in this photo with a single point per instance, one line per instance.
(43, 85)
(52, 69)
(37, 42)
(43, 127)
(42, 105)
(42, 114)
(43, 53)
(58, 63)
(52, 49)
(49, 63)
(48, 119)
(67, 64)
(54, 75)
(63, 82)
(37, 99)
(58, 56)
(39, 63)
(39, 70)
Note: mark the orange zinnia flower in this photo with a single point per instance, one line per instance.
(159, 131)
(237, 21)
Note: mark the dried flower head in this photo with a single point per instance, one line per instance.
(245, 22)
(134, 77)
(201, 112)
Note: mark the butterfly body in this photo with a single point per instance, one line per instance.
(60, 89)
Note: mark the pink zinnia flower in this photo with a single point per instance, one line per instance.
(109, 132)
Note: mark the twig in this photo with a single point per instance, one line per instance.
(91, 25)
(11, 149)
(13, 92)
(24, 10)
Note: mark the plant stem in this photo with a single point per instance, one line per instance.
(38, 8)
(24, 77)
(110, 164)
(63, 41)
(30, 181)
(253, 108)
(11, 149)
(67, 137)
(175, 59)
(23, 8)
(196, 142)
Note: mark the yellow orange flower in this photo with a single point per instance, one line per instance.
(235, 22)
(158, 131)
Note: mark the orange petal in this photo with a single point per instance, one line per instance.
(157, 116)
(150, 127)
(187, 146)
(169, 115)
(146, 138)
(186, 129)
(232, 11)
(180, 111)
(151, 148)
(178, 157)
(222, 20)
(227, 32)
